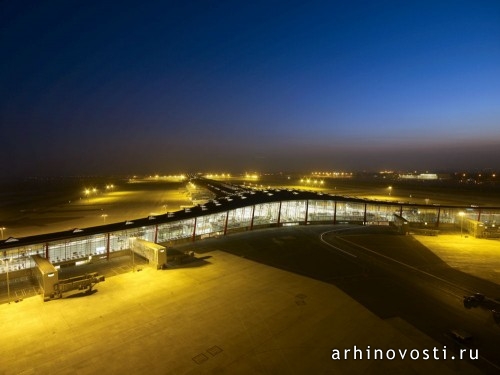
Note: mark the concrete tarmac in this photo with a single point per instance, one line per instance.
(220, 314)
(476, 256)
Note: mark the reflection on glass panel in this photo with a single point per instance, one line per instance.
(447, 216)
(117, 242)
(350, 211)
(490, 217)
(490, 222)
(211, 223)
(472, 220)
(176, 230)
(19, 258)
(98, 245)
(78, 248)
(266, 213)
(241, 217)
(380, 213)
(424, 215)
(320, 210)
(293, 211)
(149, 233)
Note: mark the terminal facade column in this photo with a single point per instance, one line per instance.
(334, 212)
(438, 217)
(253, 213)
(107, 245)
(225, 224)
(307, 211)
(194, 229)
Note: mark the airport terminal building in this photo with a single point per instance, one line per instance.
(239, 210)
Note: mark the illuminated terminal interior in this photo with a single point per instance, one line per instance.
(270, 208)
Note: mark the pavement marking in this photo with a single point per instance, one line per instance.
(489, 362)
(335, 247)
(200, 358)
(214, 350)
(406, 265)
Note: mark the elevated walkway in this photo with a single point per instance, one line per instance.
(46, 275)
(155, 254)
(51, 286)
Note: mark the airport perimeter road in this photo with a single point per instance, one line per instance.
(394, 276)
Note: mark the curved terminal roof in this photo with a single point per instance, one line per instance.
(228, 197)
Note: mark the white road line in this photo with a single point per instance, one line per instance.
(397, 261)
(404, 264)
(336, 248)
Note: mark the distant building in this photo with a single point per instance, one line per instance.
(421, 176)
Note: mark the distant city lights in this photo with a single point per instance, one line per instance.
(309, 181)
(333, 174)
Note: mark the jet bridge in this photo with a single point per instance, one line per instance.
(78, 283)
(46, 275)
(154, 253)
(48, 280)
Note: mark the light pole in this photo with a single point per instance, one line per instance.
(461, 213)
(2, 229)
(390, 190)
(104, 217)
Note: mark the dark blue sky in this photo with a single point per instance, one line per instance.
(99, 87)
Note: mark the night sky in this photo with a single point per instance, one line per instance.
(139, 87)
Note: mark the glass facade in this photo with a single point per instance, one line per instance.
(266, 213)
(350, 212)
(490, 217)
(211, 224)
(320, 211)
(240, 218)
(380, 214)
(293, 211)
(476, 221)
(175, 231)
(422, 215)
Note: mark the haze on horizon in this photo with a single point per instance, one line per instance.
(145, 87)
